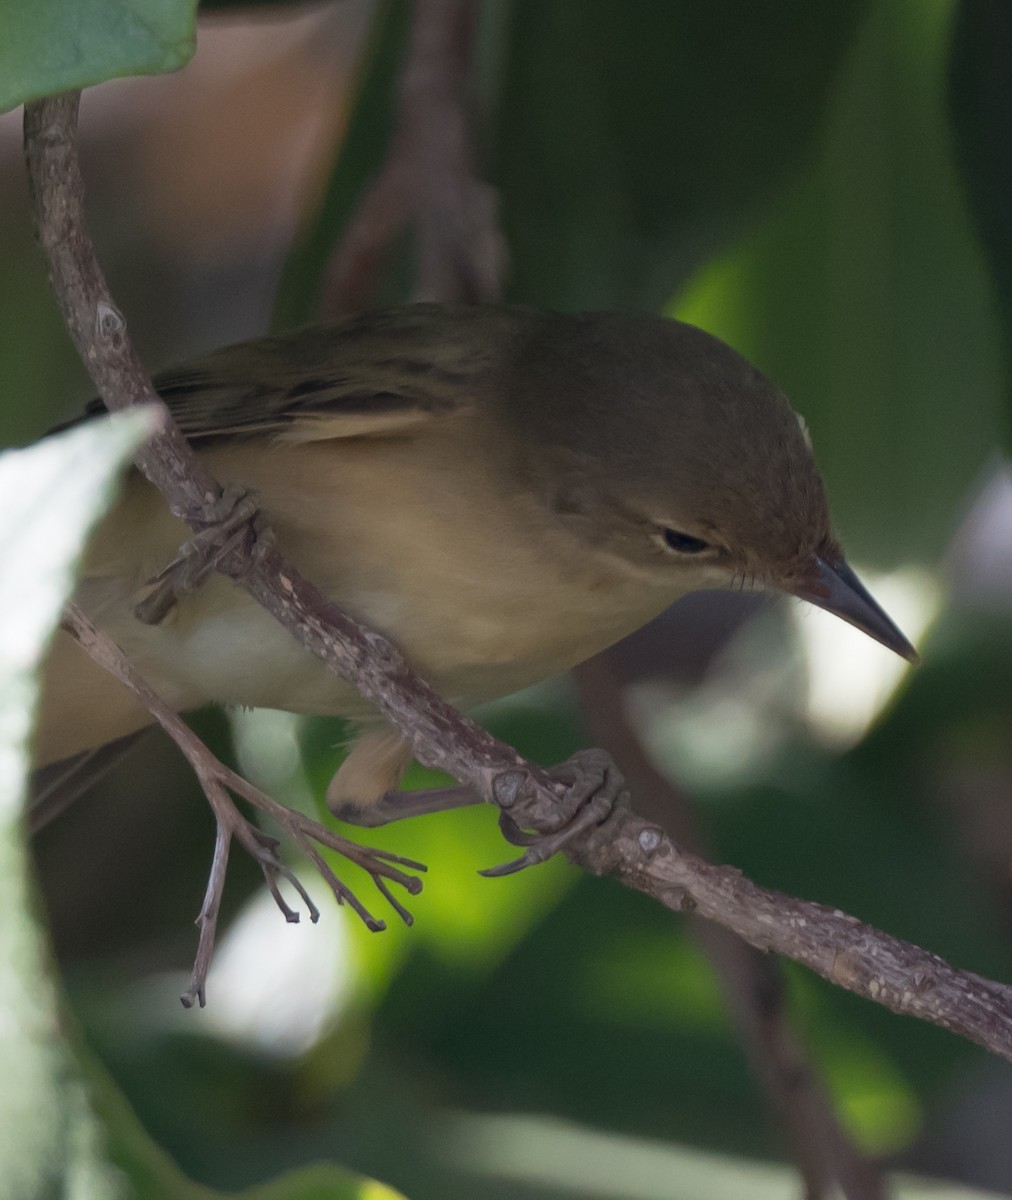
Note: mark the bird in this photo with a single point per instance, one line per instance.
(500, 490)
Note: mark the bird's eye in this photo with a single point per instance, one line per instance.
(684, 543)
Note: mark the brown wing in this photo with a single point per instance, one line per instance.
(375, 375)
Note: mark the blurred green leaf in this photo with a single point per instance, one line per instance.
(153, 1176)
(865, 297)
(630, 141)
(247, 6)
(627, 142)
(49, 48)
(532, 1154)
(49, 496)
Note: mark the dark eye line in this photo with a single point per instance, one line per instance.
(684, 543)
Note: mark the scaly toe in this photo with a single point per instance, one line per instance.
(543, 846)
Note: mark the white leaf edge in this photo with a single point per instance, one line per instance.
(51, 494)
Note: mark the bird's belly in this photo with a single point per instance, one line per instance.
(481, 605)
(469, 649)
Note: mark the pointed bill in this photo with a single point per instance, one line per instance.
(838, 590)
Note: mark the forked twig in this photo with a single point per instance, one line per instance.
(218, 783)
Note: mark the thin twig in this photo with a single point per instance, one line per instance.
(638, 853)
(428, 180)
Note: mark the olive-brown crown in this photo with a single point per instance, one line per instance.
(677, 429)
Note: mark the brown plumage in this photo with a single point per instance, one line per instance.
(501, 491)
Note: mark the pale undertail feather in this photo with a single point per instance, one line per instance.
(378, 758)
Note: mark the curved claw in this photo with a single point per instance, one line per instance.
(512, 832)
(543, 846)
(530, 859)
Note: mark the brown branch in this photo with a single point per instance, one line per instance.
(752, 982)
(428, 179)
(638, 853)
(96, 326)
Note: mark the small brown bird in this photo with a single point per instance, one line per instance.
(501, 491)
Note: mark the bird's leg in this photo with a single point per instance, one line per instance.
(395, 806)
(594, 787)
(234, 523)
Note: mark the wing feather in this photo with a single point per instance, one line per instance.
(376, 375)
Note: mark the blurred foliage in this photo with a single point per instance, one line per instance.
(864, 294)
(649, 132)
(788, 176)
(49, 497)
(361, 156)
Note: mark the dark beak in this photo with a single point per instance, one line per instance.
(838, 590)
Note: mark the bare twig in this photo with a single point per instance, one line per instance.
(428, 180)
(95, 324)
(637, 852)
(752, 982)
(217, 780)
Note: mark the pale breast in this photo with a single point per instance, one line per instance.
(463, 573)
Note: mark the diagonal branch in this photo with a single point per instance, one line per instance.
(638, 853)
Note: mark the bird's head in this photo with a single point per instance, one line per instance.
(664, 450)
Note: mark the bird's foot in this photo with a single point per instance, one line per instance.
(234, 522)
(594, 787)
(219, 783)
(395, 806)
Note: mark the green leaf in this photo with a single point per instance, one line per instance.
(154, 1176)
(50, 494)
(865, 297)
(47, 47)
(629, 141)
